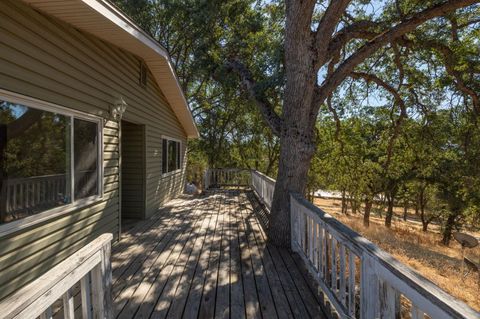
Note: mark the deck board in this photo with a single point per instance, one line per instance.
(207, 257)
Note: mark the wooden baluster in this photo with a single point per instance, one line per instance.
(321, 249)
(21, 197)
(343, 289)
(33, 194)
(315, 245)
(14, 197)
(417, 313)
(310, 239)
(351, 284)
(293, 223)
(305, 233)
(39, 189)
(86, 298)
(334, 265)
(37, 193)
(68, 306)
(8, 198)
(47, 314)
(25, 195)
(302, 230)
(326, 263)
(389, 301)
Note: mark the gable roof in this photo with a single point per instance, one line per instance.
(105, 21)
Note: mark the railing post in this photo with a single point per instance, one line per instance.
(205, 179)
(102, 286)
(369, 289)
(293, 224)
(389, 301)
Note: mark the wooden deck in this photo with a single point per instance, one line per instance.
(207, 257)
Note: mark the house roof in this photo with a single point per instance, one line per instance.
(104, 20)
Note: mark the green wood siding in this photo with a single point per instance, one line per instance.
(44, 58)
(133, 170)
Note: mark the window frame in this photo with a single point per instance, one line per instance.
(17, 225)
(179, 169)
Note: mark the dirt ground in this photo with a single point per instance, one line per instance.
(421, 251)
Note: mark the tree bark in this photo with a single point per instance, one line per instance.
(422, 201)
(389, 216)
(297, 142)
(295, 157)
(448, 229)
(344, 203)
(366, 214)
(425, 224)
(354, 204)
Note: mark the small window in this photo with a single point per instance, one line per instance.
(47, 160)
(143, 75)
(171, 158)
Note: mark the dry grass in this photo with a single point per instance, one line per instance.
(421, 251)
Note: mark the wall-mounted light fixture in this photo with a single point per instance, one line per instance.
(118, 108)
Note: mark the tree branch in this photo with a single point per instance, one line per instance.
(449, 63)
(268, 113)
(408, 25)
(326, 27)
(398, 101)
(363, 29)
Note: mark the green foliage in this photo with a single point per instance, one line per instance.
(200, 36)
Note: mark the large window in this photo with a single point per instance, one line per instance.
(171, 150)
(48, 158)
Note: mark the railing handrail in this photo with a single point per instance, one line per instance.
(264, 187)
(436, 302)
(25, 179)
(266, 177)
(93, 260)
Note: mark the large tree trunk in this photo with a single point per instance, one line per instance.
(366, 214)
(389, 216)
(422, 203)
(297, 129)
(295, 157)
(448, 229)
(344, 204)
(354, 205)
(425, 224)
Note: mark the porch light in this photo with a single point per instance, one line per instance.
(118, 108)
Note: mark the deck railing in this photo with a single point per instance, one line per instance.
(226, 177)
(348, 266)
(90, 265)
(358, 278)
(22, 194)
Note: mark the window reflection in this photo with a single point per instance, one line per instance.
(36, 151)
(34, 161)
(86, 158)
(171, 160)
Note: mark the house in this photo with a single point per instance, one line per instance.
(93, 130)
